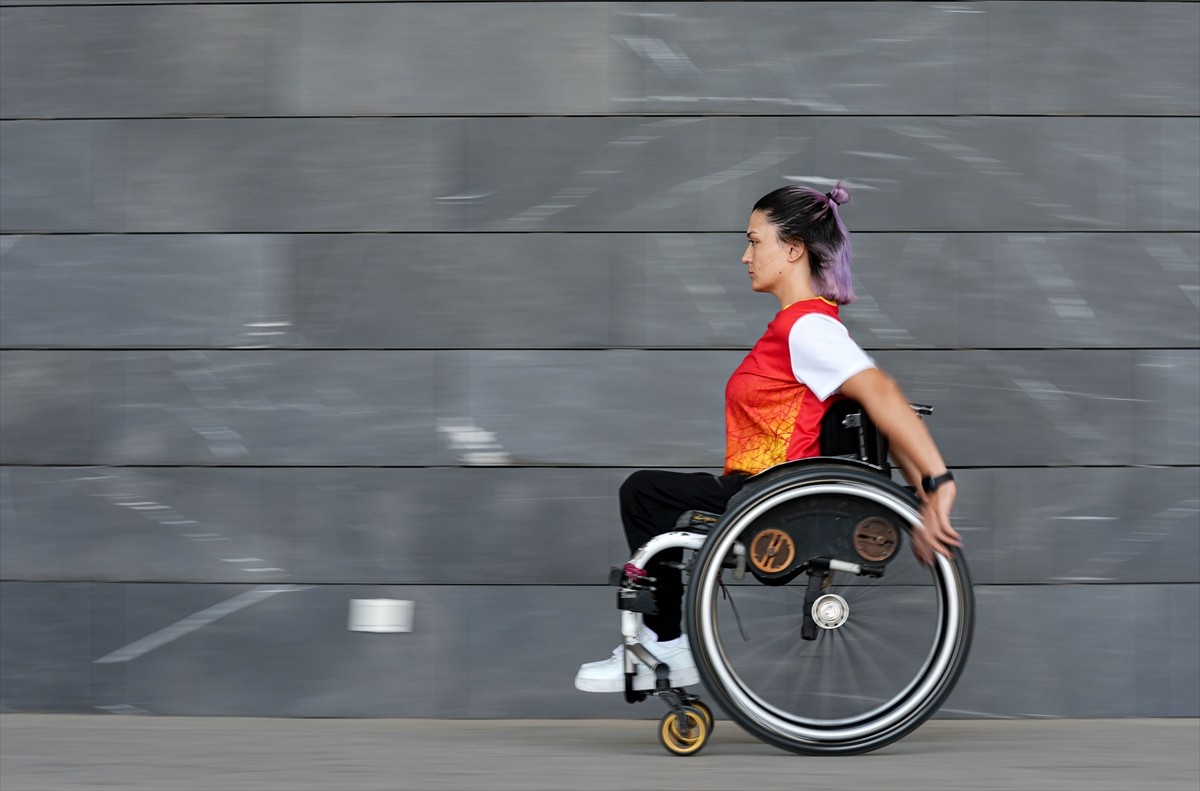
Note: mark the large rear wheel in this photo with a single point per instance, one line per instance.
(836, 662)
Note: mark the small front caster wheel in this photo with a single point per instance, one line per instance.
(703, 708)
(685, 739)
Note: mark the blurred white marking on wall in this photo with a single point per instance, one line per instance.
(471, 443)
(193, 622)
(1177, 263)
(267, 327)
(878, 155)
(199, 375)
(1051, 276)
(821, 181)
(660, 53)
(464, 198)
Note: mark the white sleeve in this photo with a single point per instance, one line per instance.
(823, 354)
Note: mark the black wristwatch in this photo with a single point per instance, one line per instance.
(930, 483)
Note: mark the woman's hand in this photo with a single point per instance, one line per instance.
(938, 535)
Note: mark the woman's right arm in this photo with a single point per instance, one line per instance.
(915, 450)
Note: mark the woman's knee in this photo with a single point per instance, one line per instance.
(639, 481)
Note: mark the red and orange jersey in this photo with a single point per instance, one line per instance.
(770, 416)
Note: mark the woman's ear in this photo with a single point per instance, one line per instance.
(795, 251)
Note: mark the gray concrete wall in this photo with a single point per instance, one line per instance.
(301, 303)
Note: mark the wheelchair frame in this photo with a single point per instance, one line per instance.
(852, 478)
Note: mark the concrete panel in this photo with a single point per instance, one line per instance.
(119, 290)
(45, 175)
(445, 59)
(1180, 661)
(824, 58)
(1026, 290)
(412, 291)
(1047, 408)
(1038, 61)
(970, 173)
(231, 408)
(1169, 378)
(228, 175)
(1064, 651)
(605, 408)
(1082, 651)
(455, 290)
(753, 58)
(458, 526)
(287, 652)
(588, 174)
(44, 651)
(994, 408)
(283, 59)
(1080, 525)
(610, 408)
(118, 62)
(149, 524)
(44, 410)
(524, 526)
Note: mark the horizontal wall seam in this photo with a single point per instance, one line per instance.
(611, 114)
(152, 466)
(468, 584)
(580, 349)
(618, 232)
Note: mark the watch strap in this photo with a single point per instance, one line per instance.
(930, 483)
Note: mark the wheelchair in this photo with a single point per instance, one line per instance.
(811, 625)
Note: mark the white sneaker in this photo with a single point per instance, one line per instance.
(608, 675)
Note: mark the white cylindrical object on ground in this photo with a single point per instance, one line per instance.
(380, 615)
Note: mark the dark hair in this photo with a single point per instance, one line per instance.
(801, 214)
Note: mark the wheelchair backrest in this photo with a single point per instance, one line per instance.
(847, 432)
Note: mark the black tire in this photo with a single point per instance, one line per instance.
(857, 686)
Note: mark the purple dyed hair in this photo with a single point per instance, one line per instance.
(801, 214)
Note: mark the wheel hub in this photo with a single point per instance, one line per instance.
(830, 611)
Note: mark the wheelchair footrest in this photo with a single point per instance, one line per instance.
(637, 600)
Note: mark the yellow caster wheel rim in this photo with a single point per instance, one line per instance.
(672, 737)
(705, 711)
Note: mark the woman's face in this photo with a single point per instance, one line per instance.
(766, 257)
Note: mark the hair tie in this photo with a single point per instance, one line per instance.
(838, 195)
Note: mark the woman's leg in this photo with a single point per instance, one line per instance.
(651, 502)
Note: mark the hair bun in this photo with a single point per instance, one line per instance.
(839, 194)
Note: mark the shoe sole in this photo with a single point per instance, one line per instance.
(641, 682)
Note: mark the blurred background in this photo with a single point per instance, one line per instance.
(304, 303)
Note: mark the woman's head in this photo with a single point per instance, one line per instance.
(801, 215)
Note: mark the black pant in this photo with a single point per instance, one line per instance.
(651, 502)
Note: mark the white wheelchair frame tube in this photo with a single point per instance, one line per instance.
(631, 622)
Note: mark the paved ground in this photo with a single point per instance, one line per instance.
(130, 753)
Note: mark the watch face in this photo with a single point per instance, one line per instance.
(930, 484)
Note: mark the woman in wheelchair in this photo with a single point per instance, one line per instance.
(799, 251)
